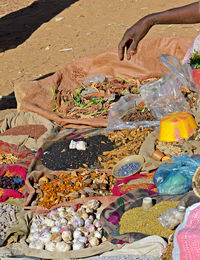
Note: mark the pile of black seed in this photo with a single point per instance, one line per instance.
(11, 183)
(60, 157)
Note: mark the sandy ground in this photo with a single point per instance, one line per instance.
(34, 33)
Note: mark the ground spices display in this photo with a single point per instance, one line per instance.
(60, 157)
(138, 114)
(34, 131)
(128, 169)
(8, 158)
(72, 185)
(128, 142)
(146, 221)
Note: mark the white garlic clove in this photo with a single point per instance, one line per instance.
(36, 245)
(50, 246)
(94, 241)
(67, 236)
(63, 247)
(78, 245)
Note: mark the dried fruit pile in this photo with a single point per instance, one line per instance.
(72, 185)
(94, 100)
(7, 158)
(128, 142)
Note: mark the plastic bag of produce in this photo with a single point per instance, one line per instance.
(176, 178)
(130, 112)
(164, 96)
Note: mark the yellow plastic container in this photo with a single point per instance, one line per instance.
(176, 126)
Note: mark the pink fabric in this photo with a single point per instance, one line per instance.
(188, 238)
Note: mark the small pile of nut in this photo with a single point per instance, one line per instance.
(8, 158)
(8, 218)
(128, 142)
(70, 228)
(72, 185)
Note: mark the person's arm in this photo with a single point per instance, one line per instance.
(187, 14)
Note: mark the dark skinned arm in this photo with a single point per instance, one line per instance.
(188, 14)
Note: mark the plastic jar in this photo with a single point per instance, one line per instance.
(147, 203)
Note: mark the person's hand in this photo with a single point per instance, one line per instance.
(132, 37)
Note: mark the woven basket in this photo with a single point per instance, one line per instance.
(196, 182)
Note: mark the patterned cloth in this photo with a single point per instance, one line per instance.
(13, 171)
(24, 155)
(186, 239)
(137, 181)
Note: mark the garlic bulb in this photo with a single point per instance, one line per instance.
(94, 241)
(63, 247)
(97, 234)
(61, 209)
(93, 204)
(78, 245)
(84, 215)
(49, 222)
(70, 210)
(97, 223)
(55, 229)
(91, 228)
(67, 236)
(45, 237)
(56, 237)
(77, 234)
(84, 230)
(63, 214)
(81, 239)
(78, 222)
(36, 245)
(50, 246)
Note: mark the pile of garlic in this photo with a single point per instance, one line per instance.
(70, 228)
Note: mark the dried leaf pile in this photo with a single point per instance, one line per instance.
(72, 185)
(94, 100)
(128, 142)
(7, 158)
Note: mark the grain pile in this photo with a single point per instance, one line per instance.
(146, 221)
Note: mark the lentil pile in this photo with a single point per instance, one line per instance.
(128, 142)
(7, 158)
(146, 221)
(34, 131)
(8, 218)
(60, 157)
(72, 185)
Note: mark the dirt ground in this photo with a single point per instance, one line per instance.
(33, 34)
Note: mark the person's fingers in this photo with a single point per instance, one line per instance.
(131, 50)
(121, 49)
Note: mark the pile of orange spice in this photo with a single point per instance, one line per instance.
(70, 185)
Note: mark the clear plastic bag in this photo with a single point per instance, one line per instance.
(176, 178)
(171, 218)
(164, 95)
(120, 108)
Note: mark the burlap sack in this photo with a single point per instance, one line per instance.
(30, 96)
(25, 118)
